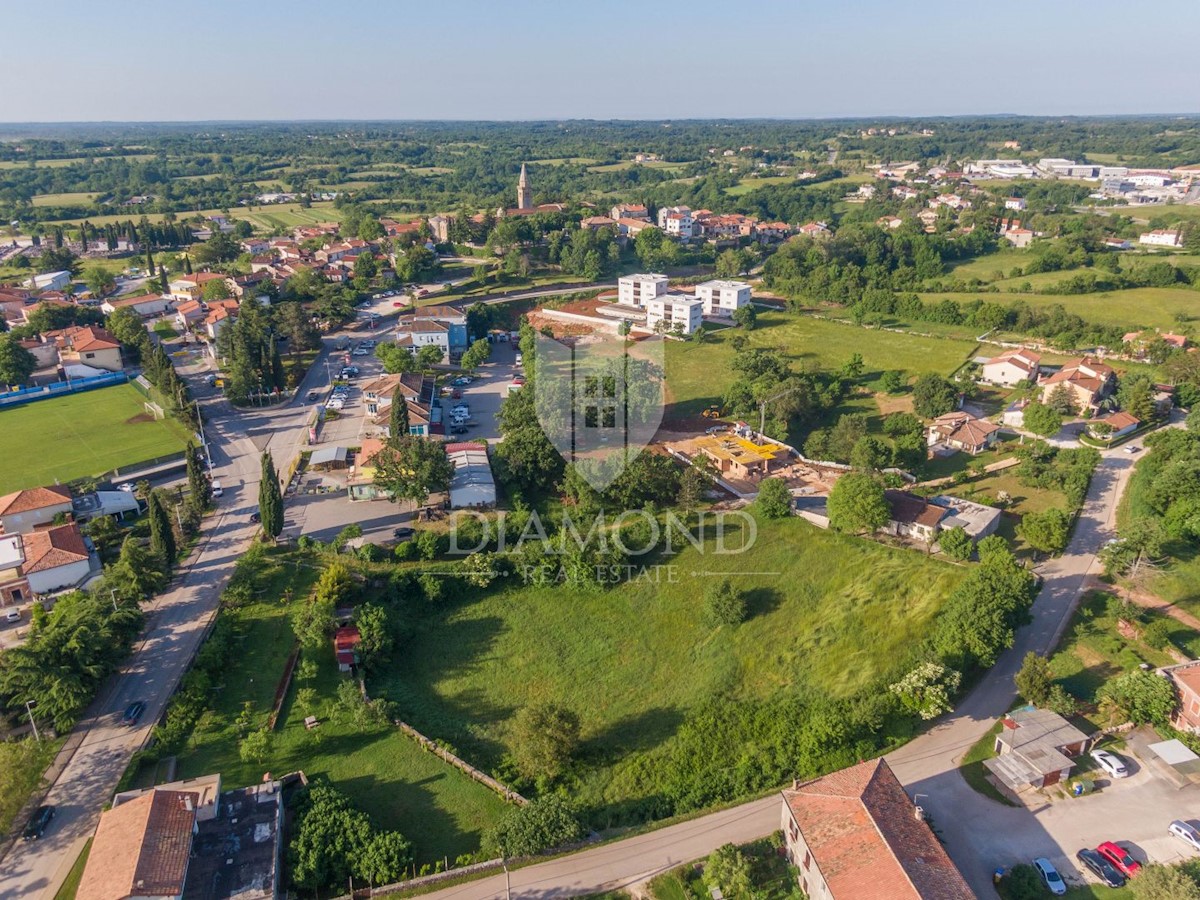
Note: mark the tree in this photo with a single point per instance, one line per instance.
(1061, 399)
(199, 488)
(162, 538)
(313, 622)
(544, 738)
(928, 689)
(294, 322)
(398, 424)
(724, 605)
(136, 573)
(270, 500)
(544, 822)
(375, 630)
(384, 858)
(429, 356)
(870, 453)
(1162, 882)
(774, 499)
(746, 316)
(476, 355)
(1042, 419)
(16, 363)
(255, 747)
(956, 543)
(857, 504)
(892, 381)
(1035, 679)
(1046, 531)
(100, 281)
(1143, 697)
(934, 396)
(727, 871)
(411, 468)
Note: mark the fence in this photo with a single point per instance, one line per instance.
(59, 388)
(462, 765)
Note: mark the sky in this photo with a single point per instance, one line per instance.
(167, 60)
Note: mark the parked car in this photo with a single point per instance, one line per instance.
(403, 534)
(1101, 867)
(210, 380)
(1132, 448)
(133, 712)
(1110, 763)
(458, 428)
(311, 396)
(38, 823)
(1120, 858)
(462, 380)
(1185, 832)
(255, 517)
(1050, 876)
(12, 614)
(350, 371)
(217, 490)
(128, 487)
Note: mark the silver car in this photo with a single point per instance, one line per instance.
(1185, 832)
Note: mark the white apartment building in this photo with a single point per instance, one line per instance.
(676, 221)
(635, 290)
(723, 298)
(678, 313)
(1161, 238)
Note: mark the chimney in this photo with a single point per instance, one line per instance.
(918, 814)
(187, 802)
(795, 784)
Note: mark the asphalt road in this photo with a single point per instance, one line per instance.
(176, 621)
(974, 832)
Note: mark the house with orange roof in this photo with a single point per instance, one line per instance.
(55, 558)
(1185, 678)
(1087, 380)
(854, 834)
(960, 430)
(1012, 367)
(30, 508)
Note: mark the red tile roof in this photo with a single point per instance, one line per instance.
(867, 841)
(141, 848)
(909, 509)
(53, 547)
(33, 498)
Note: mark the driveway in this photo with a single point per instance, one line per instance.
(488, 391)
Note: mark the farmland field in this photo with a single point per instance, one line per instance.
(828, 615)
(80, 197)
(697, 374)
(286, 215)
(1134, 308)
(746, 185)
(80, 435)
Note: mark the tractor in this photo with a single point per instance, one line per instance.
(713, 412)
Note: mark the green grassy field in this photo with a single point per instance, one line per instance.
(1135, 308)
(828, 614)
(62, 163)
(68, 199)
(81, 435)
(267, 217)
(746, 185)
(697, 374)
(442, 811)
(629, 164)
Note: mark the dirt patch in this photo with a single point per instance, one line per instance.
(139, 418)
(888, 404)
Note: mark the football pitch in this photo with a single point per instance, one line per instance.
(80, 435)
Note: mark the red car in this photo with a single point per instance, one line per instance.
(1120, 858)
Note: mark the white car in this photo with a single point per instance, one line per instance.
(1110, 763)
(1185, 832)
(1050, 876)
(217, 490)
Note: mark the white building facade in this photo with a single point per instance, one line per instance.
(723, 298)
(677, 313)
(635, 290)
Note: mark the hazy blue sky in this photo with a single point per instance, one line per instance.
(70, 60)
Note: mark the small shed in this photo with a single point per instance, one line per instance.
(345, 647)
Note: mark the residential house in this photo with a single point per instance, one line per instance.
(723, 298)
(145, 306)
(55, 558)
(1161, 237)
(1034, 749)
(1116, 243)
(191, 287)
(87, 345)
(256, 245)
(1012, 367)
(816, 230)
(221, 313)
(1087, 380)
(455, 321)
(440, 227)
(854, 834)
(14, 588)
(627, 227)
(678, 224)
(889, 222)
(1019, 237)
(674, 313)
(1185, 678)
(345, 647)
(741, 458)
(49, 281)
(416, 334)
(630, 211)
(635, 290)
(954, 201)
(31, 508)
(1114, 425)
(188, 313)
(419, 392)
(904, 192)
(472, 485)
(1017, 203)
(912, 516)
(594, 222)
(929, 219)
(960, 430)
(45, 352)
(361, 484)
(773, 232)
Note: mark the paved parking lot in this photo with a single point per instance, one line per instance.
(488, 391)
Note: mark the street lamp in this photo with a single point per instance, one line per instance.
(29, 705)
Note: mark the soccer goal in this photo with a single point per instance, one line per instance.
(154, 409)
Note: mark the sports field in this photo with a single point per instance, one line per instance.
(80, 435)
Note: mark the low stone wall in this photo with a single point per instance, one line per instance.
(462, 765)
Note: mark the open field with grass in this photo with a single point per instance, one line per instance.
(697, 374)
(62, 163)
(81, 435)
(1134, 308)
(68, 199)
(828, 614)
(629, 164)
(442, 811)
(1172, 212)
(746, 185)
(286, 215)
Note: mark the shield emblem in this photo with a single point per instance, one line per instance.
(599, 400)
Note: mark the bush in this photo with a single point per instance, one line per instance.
(1024, 883)
(543, 823)
(544, 738)
(1157, 634)
(723, 605)
(774, 500)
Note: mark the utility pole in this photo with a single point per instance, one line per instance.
(29, 705)
(507, 880)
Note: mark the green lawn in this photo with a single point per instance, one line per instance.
(68, 199)
(828, 614)
(439, 809)
(973, 770)
(71, 886)
(1134, 308)
(283, 214)
(697, 374)
(80, 435)
(746, 185)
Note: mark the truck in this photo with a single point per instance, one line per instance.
(342, 342)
